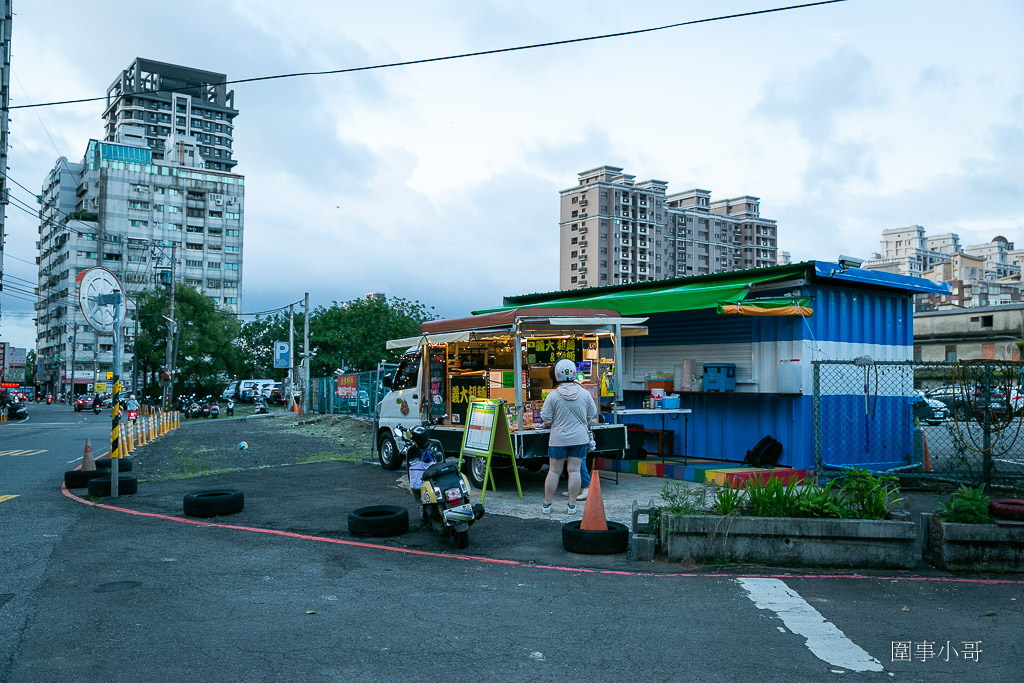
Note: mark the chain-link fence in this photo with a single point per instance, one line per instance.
(351, 394)
(958, 422)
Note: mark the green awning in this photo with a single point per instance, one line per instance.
(677, 297)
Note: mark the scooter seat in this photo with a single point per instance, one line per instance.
(438, 469)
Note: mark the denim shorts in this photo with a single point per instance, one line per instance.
(562, 452)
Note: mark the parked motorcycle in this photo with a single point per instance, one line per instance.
(259, 406)
(214, 410)
(231, 407)
(204, 407)
(440, 488)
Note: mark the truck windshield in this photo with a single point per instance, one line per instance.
(407, 374)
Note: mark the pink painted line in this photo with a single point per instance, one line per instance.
(491, 560)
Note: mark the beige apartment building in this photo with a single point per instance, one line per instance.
(614, 230)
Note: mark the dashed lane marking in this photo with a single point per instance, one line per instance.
(4, 499)
(23, 452)
(822, 638)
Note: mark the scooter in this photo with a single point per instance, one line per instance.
(96, 406)
(49, 399)
(231, 407)
(259, 406)
(440, 488)
(214, 410)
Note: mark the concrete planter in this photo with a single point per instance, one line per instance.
(786, 541)
(972, 546)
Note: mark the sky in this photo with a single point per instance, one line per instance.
(439, 182)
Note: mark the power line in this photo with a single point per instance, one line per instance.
(464, 55)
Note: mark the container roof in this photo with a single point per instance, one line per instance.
(708, 291)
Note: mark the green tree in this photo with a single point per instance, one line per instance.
(353, 335)
(206, 351)
(30, 368)
(256, 342)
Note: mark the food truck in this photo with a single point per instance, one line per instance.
(506, 356)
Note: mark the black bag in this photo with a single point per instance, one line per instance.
(765, 453)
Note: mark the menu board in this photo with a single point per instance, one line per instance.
(479, 427)
(438, 371)
(540, 351)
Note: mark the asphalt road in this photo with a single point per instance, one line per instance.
(91, 593)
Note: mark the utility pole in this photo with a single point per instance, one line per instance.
(171, 326)
(135, 355)
(291, 355)
(306, 398)
(74, 350)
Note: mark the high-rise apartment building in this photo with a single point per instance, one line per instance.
(5, 87)
(980, 275)
(614, 230)
(150, 101)
(155, 200)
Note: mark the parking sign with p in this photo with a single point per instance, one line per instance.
(282, 354)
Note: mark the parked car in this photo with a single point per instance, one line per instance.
(86, 402)
(229, 391)
(955, 399)
(274, 394)
(936, 413)
(249, 388)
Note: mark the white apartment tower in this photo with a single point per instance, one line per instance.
(154, 190)
(614, 230)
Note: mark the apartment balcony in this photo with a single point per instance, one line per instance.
(643, 258)
(625, 269)
(583, 202)
(642, 230)
(582, 271)
(583, 244)
(583, 230)
(626, 243)
(626, 256)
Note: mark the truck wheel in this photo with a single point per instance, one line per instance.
(475, 471)
(387, 453)
(533, 464)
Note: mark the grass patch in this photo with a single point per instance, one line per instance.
(327, 456)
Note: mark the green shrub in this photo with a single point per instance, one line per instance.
(729, 500)
(681, 499)
(966, 506)
(867, 495)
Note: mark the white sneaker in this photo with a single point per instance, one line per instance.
(582, 494)
(546, 509)
(570, 510)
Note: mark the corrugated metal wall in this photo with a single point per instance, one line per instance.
(847, 323)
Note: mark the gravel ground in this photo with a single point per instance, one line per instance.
(203, 447)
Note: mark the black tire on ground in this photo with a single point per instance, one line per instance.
(461, 539)
(1007, 508)
(378, 521)
(77, 479)
(476, 469)
(387, 452)
(213, 502)
(961, 413)
(576, 540)
(126, 485)
(123, 464)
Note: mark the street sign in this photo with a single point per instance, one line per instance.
(282, 354)
(101, 387)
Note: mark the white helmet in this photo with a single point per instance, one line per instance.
(565, 370)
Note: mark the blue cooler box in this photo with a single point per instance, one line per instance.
(719, 377)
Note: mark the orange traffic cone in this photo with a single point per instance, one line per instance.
(87, 462)
(927, 458)
(593, 511)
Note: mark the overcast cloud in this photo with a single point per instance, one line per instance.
(440, 182)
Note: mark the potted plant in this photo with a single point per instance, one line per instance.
(968, 532)
(847, 522)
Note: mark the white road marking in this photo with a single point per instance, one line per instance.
(823, 639)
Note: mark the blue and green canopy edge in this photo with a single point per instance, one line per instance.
(723, 291)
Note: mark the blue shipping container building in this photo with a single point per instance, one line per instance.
(772, 323)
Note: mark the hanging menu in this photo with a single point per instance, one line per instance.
(540, 351)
